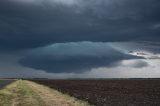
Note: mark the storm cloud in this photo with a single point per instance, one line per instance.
(74, 57)
(78, 37)
(34, 23)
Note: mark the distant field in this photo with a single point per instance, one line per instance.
(3, 82)
(110, 92)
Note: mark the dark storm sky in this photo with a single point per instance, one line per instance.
(76, 36)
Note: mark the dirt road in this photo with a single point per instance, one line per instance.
(27, 93)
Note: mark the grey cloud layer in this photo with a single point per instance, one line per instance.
(73, 57)
(49, 26)
(37, 23)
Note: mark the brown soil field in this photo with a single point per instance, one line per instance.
(119, 92)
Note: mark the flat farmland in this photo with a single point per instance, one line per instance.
(4, 82)
(119, 92)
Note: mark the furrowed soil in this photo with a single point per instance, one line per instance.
(27, 93)
(134, 92)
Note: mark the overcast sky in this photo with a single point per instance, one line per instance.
(80, 38)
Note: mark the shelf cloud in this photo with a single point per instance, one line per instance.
(79, 36)
(74, 57)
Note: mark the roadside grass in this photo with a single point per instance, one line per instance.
(28, 93)
(27, 96)
(19, 94)
(7, 94)
(53, 97)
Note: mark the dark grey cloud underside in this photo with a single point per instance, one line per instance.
(75, 57)
(140, 64)
(29, 25)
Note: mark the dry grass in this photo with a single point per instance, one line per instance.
(53, 97)
(19, 94)
(27, 93)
